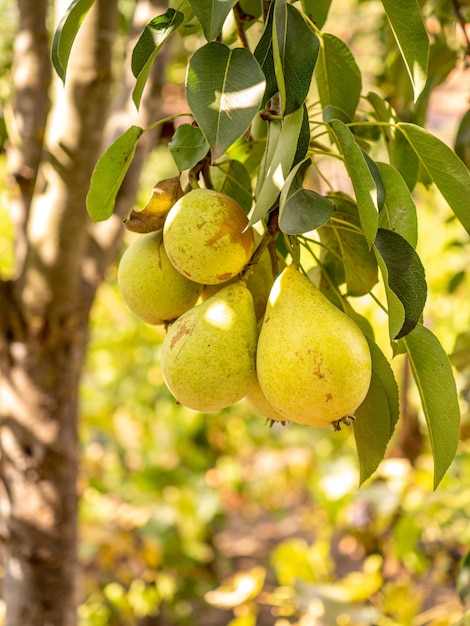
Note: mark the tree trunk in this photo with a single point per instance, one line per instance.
(60, 261)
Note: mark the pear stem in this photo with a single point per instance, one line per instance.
(272, 230)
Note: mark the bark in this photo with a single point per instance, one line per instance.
(44, 310)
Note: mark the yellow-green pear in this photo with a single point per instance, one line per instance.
(205, 236)
(149, 284)
(208, 355)
(258, 402)
(313, 362)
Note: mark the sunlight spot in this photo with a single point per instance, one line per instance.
(14, 567)
(220, 315)
(242, 99)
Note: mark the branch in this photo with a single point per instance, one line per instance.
(463, 24)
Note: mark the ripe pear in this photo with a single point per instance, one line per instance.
(313, 362)
(259, 403)
(205, 236)
(260, 278)
(208, 355)
(149, 284)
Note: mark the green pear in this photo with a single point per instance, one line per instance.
(257, 401)
(208, 355)
(206, 236)
(149, 284)
(313, 362)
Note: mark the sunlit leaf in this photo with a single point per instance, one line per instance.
(264, 55)
(65, 34)
(293, 64)
(433, 375)
(377, 416)
(212, 15)
(399, 210)
(188, 146)
(302, 210)
(444, 167)
(109, 173)
(338, 78)
(279, 166)
(363, 183)
(225, 99)
(410, 33)
(154, 35)
(405, 276)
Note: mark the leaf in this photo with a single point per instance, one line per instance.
(224, 89)
(399, 210)
(303, 142)
(462, 139)
(448, 172)
(264, 55)
(405, 276)
(362, 181)
(377, 416)
(109, 173)
(408, 28)
(375, 173)
(433, 375)
(188, 146)
(212, 15)
(338, 78)
(293, 64)
(278, 167)
(65, 34)
(401, 154)
(231, 177)
(302, 210)
(347, 257)
(316, 10)
(154, 35)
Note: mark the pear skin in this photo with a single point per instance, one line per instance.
(205, 237)
(208, 355)
(313, 362)
(149, 284)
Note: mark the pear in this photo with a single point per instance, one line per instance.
(313, 362)
(149, 284)
(208, 355)
(206, 238)
(257, 401)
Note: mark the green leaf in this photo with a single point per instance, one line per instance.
(224, 89)
(377, 416)
(302, 210)
(264, 55)
(447, 171)
(65, 34)
(362, 181)
(212, 15)
(405, 276)
(338, 78)
(188, 146)
(408, 28)
(303, 142)
(316, 10)
(375, 173)
(109, 173)
(433, 375)
(276, 169)
(462, 139)
(399, 211)
(231, 177)
(293, 63)
(347, 256)
(401, 154)
(154, 35)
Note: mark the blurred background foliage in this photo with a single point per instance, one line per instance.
(220, 520)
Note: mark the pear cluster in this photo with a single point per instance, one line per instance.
(237, 331)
